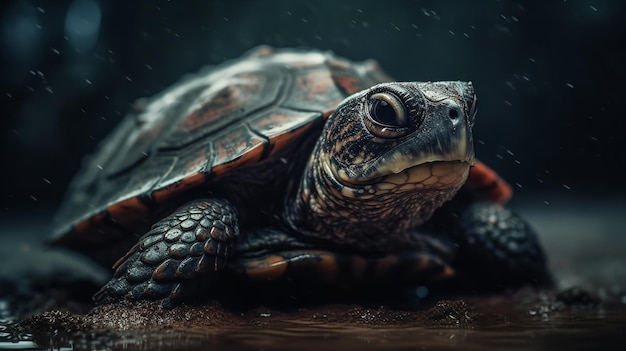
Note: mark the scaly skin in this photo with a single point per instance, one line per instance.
(365, 191)
(178, 258)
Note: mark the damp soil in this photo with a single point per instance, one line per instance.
(45, 303)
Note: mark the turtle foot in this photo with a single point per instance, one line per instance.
(498, 249)
(178, 259)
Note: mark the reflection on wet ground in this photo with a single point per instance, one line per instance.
(478, 324)
(587, 309)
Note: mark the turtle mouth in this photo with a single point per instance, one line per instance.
(437, 174)
(411, 161)
(431, 175)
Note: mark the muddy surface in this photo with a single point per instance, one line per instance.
(44, 302)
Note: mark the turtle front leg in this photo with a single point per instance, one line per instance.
(498, 249)
(180, 256)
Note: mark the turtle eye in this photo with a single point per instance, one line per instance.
(387, 116)
(388, 110)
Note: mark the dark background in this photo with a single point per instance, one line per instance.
(549, 75)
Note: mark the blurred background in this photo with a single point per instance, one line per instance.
(550, 76)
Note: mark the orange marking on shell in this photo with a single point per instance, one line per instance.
(246, 158)
(128, 209)
(327, 264)
(236, 149)
(448, 272)
(283, 126)
(238, 95)
(226, 100)
(164, 194)
(280, 142)
(485, 184)
(384, 265)
(349, 83)
(336, 62)
(196, 164)
(315, 89)
(270, 268)
(87, 225)
(272, 121)
(315, 82)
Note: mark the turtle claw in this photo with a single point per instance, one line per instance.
(178, 258)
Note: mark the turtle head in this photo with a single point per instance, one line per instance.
(389, 156)
(421, 131)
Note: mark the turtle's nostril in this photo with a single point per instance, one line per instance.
(453, 113)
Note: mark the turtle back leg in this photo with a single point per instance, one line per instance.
(498, 249)
(181, 256)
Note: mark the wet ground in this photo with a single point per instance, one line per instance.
(44, 301)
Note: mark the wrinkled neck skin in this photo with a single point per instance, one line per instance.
(359, 217)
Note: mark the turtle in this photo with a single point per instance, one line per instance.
(295, 167)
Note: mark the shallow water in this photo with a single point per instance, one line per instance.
(590, 329)
(584, 243)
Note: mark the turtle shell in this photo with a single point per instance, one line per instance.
(205, 127)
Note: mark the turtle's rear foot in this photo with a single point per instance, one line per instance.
(498, 249)
(178, 258)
